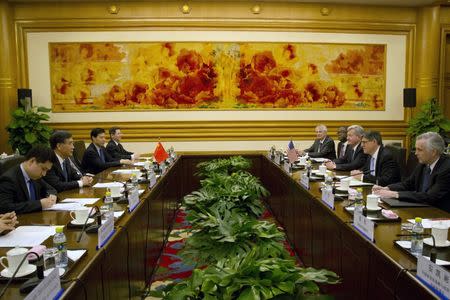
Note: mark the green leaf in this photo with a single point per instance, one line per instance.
(249, 294)
(30, 137)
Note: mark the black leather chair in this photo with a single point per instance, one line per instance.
(78, 152)
(399, 154)
(10, 162)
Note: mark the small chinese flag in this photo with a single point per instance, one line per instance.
(160, 153)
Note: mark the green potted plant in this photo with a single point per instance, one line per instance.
(429, 118)
(27, 128)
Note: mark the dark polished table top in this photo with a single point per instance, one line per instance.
(385, 232)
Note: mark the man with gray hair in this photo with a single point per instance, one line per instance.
(323, 146)
(430, 180)
(354, 157)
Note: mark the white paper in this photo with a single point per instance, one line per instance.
(118, 214)
(319, 159)
(141, 192)
(355, 182)
(139, 163)
(83, 201)
(126, 171)
(428, 223)
(27, 236)
(107, 184)
(65, 206)
(75, 255)
(146, 157)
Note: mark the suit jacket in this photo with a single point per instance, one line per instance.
(387, 170)
(438, 193)
(327, 149)
(349, 161)
(14, 194)
(92, 163)
(339, 147)
(55, 176)
(117, 151)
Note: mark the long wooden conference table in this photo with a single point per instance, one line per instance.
(321, 237)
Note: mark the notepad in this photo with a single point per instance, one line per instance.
(107, 184)
(27, 236)
(82, 201)
(65, 206)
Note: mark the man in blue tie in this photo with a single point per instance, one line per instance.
(430, 180)
(96, 158)
(381, 167)
(21, 188)
(62, 176)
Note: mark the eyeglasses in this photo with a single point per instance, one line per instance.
(365, 141)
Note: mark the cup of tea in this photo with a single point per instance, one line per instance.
(80, 215)
(323, 169)
(13, 258)
(345, 184)
(372, 201)
(115, 191)
(302, 160)
(440, 233)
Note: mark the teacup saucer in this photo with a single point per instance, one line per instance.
(373, 209)
(60, 270)
(28, 270)
(429, 242)
(75, 222)
(342, 190)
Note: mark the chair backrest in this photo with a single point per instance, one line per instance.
(78, 151)
(399, 155)
(7, 163)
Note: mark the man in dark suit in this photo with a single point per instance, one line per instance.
(21, 188)
(354, 157)
(381, 167)
(323, 145)
(96, 158)
(62, 176)
(430, 180)
(115, 148)
(342, 145)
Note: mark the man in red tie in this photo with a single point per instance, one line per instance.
(430, 180)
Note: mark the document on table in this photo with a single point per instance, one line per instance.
(107, 184)
(126, 171)
(75, 255)
(65, 206)
(428, 223)
(319, 159)
(355, 182)
(27, 236)
(139, 163)
(82, 201)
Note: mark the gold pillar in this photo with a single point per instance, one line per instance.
(8, 85)
(427, 54)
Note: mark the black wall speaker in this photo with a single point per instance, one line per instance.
(409, 97)
(24, 98)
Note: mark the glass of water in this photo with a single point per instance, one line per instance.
(50, 258)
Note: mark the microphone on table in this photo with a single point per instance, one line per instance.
(433, 254)
(30, 284)
(93, 228)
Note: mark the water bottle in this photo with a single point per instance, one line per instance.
(134, 181)
(108, 200)
(59, 242)
(308, 168)
(329, 182)
(359, 204)
(417, 238)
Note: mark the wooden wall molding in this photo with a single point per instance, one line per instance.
(229, 130)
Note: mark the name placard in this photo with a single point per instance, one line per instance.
(277, 158)
(152, 179)
(304, 181)
(328, 197)
(133, 199)
(363, 225)
(105, 231)
(286, 167)
(49, 288)
(434, 276)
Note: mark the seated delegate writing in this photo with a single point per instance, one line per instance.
(323, 146)
(430, 180)
(96, 158)
(380, 167)
(62, 176)
(22, 188)
(115, 148)
(8, 222)
(354, 157)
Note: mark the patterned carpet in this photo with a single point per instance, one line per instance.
(171, 267)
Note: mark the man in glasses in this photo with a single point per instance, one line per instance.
(323, 146)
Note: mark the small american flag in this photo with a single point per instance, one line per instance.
(292, 153)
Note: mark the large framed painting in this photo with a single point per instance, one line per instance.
(125, 76)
